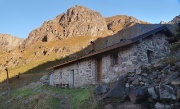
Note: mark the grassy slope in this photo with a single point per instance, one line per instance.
(36, 96)
(43, 97)
(75, 44)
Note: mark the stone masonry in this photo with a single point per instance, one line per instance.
(84, 73)
(130, 59)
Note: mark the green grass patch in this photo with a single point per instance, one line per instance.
(47, 97)
(54, 102)
(24, 93)
(79, 97)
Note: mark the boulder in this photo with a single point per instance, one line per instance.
(101, 89)
(163, 106)
(170, 78)
(135, 82)
(45, 77)
(127, 85)
(131, 79)
(176, 67)
(138, 95)
(166, 69)
(4, 93)
(116, 90)
(178, 94)
(27, 101)
(176, 82)
(166, 92)
(45, 80)
(152, 93)
(144, 74)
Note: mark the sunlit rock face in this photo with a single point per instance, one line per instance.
(9, 42)
(77, 21)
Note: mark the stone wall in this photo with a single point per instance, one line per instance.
(157, 44)
(130, 58)
(84, 73)
(127, 60)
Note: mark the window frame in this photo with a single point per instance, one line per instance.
(114, 58)
(150, 54)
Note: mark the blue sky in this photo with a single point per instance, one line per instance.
(20, 17)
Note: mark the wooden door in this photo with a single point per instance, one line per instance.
(71, 79)
(99, 69)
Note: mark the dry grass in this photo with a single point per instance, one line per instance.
(25, 60)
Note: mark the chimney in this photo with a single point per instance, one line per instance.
(92, 46)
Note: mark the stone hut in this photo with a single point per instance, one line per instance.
(127, 51)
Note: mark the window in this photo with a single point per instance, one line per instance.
(60, 75)
(114, 58)
(149, 55)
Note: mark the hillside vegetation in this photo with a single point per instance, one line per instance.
(36, 96)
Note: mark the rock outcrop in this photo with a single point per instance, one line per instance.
(119, 22)
(49, 31)
(157, 87)
(163, 22)
(81, 21)
(77, 21)
(9, 42)
(175, 20)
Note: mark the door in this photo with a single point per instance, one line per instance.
(149, 55)
(71, 79)
(99, 69)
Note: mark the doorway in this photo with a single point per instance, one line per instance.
(149, 55)
(71, 79)
(99, 69)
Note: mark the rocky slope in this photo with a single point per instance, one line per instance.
(175, 20)
(119, 22)
(9, 42)
(77, 21)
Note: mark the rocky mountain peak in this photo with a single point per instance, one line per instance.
(162, 22)
(9, 42)
(175, 20)
(81, 21)
(77, 21)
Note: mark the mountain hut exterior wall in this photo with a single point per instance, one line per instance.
(129, 59)
(157, 45)
(132, 57)
(84, 73)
